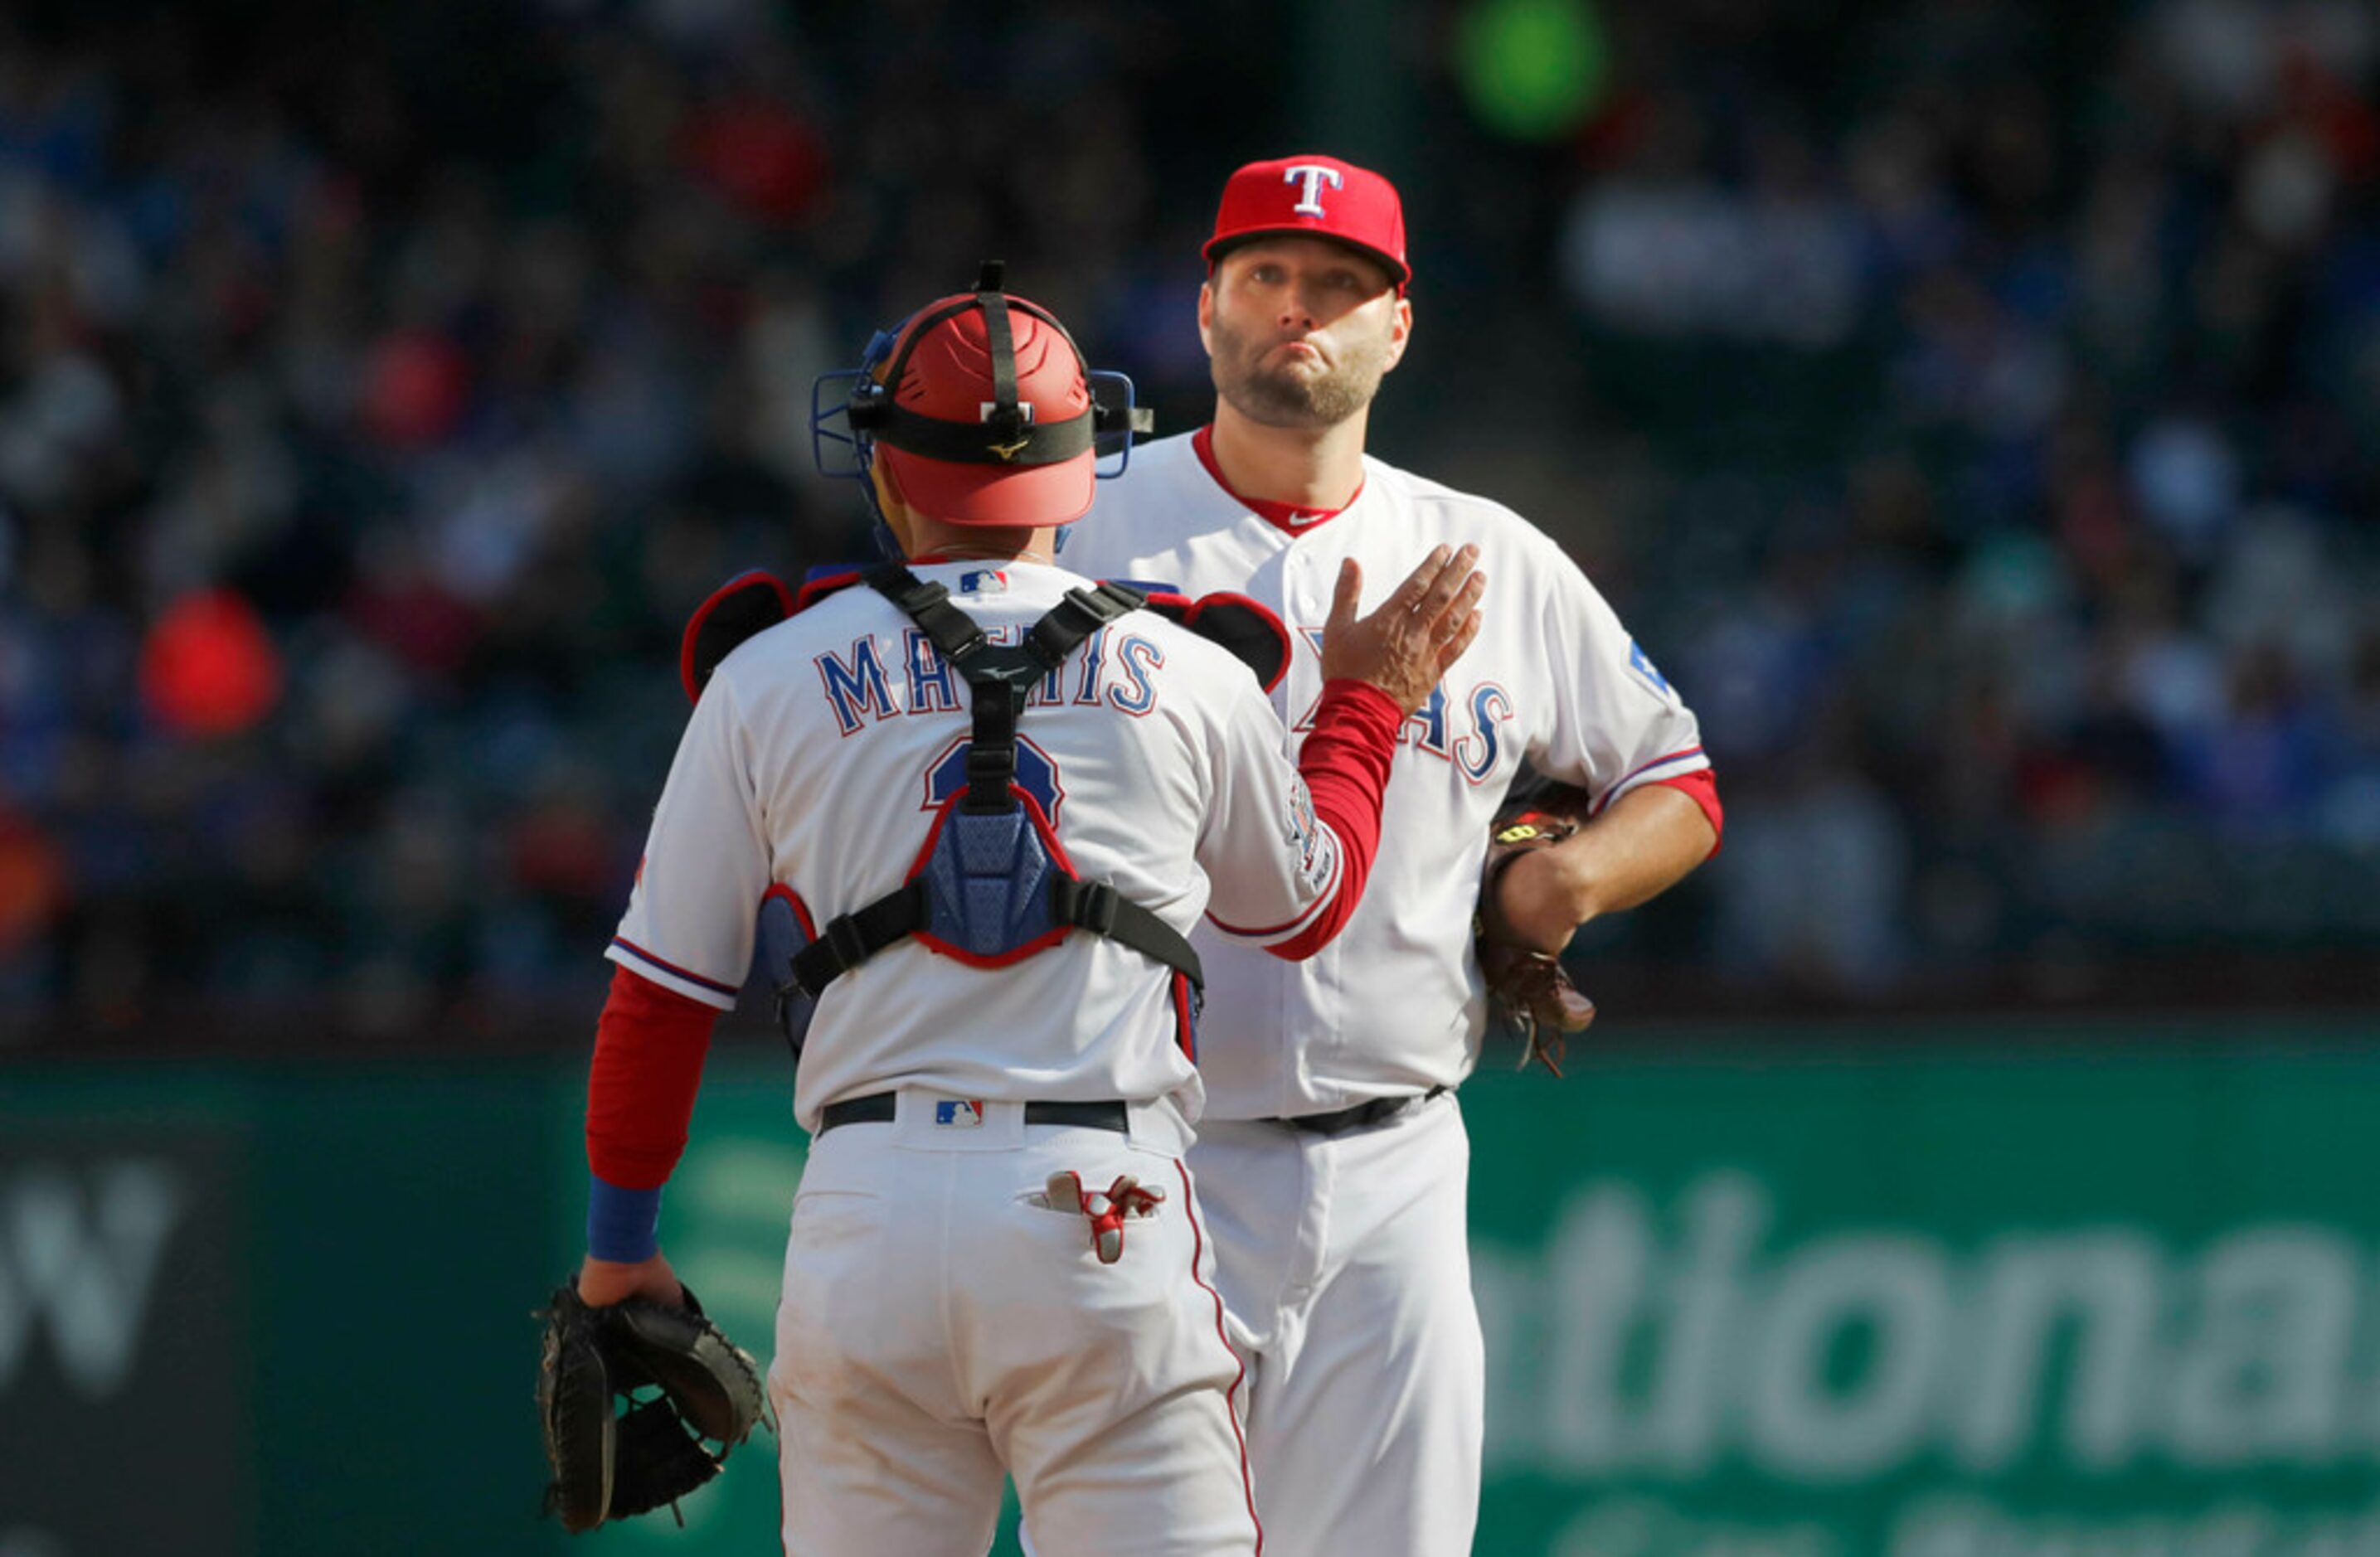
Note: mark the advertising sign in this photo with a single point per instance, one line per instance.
(123, 1360)
(1925, 1307)
(1987, 1300)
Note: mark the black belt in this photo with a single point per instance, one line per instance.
(878, 1108)
(1339, 1121)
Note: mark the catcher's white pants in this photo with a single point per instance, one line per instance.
(939, 1327)
(1346, 1263)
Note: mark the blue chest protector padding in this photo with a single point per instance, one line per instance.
(993, 885)
(987, 883)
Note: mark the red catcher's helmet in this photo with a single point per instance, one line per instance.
(985, 416)
(1314, 197)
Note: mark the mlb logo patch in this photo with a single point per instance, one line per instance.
(983, 581)
(965, 1116)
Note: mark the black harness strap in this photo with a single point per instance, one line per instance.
(1034, 444)
(853, 938)
(928, 605)
(1007, 417)
(998, 677)
(1006, 434)
(1101, 909)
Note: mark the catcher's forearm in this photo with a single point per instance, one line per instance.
(649, 1045)
(1647, 842)
(1345, 762)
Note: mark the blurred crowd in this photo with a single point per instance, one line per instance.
(1974, 409)
(2012, 417)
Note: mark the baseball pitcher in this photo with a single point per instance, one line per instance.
(1334, 1164)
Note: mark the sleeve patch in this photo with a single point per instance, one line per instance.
(1318, 855)
(1641, 664)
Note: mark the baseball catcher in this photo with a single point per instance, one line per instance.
(995, 798)
(1527, 984)
(628, 1394)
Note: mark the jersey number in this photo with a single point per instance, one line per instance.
(1036, 775)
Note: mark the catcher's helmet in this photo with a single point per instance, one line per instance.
(984, 410)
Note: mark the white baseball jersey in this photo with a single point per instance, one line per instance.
(1395, 1004)
(815, 764)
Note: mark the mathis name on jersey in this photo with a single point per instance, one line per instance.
(1116, 670)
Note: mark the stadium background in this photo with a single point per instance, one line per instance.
(1974, 406)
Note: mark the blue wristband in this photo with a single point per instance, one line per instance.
(621, 1224)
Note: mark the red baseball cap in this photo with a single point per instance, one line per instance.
(941, 438)
(1314, 197)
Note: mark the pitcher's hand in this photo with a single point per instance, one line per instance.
(1405, 645)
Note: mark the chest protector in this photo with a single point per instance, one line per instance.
(993, 885)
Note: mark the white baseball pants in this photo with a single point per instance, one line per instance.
(939, 1328)
(1346, 1264)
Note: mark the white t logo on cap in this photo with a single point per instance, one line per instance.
(1309, 201)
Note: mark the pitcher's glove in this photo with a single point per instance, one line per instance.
(1530, 988)
(695, 1384)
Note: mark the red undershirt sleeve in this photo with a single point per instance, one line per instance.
(1700, 786)
(1345, 764)
(649, 1045)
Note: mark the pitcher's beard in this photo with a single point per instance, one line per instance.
(1275, 397)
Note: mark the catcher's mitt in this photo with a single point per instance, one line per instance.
(697, 1385)
(1529, 988)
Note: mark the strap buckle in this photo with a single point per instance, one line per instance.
(1085, 905)
(1094, 908)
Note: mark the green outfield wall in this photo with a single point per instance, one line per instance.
(1966, 1293)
